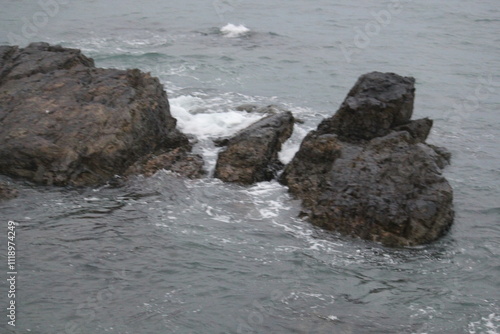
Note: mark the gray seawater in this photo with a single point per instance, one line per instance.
(167, 255)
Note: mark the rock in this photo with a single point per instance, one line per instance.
(38, 58)
(377, 103)
(269, 110)
(247, 107)
(7, 192)
(65, 122)
(252, 154)
(252, 108)
(419, 129)
(388, 188)
(307, 172)
(178, 160)
(443, 156)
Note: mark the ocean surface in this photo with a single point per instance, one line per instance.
(168, 255)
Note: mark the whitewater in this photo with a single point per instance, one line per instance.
(169, 255)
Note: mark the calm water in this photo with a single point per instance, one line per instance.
(166, 255)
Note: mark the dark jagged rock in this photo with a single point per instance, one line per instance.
(38, 58)
(7, 192)
(374, 178)
(252, 154)
(418, 129)
(377, 103)
(65, 122)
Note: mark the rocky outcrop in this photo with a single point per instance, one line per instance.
(367, 171)
(65, 122)
(376, 104)
(7, 192)
(252, 154)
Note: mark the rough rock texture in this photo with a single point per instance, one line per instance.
(377, 103)
(252, 154)
(7, 192)
(178, 160)
(367, 171)
(63, 121)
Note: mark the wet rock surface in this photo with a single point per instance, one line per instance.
(178, 160)
(252, 154)
(65, 122)
(367, 171)
(373, 107)
(7, 192)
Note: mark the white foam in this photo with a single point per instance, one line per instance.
(230, 30)
(300, 130)
(291, 146)
(92, 199)
(487, 325)
(264, 189)
(194, 118)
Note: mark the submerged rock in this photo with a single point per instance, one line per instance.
(367, 171)
(247, 107)
(267, 110)
(252, 154)
(66, 122)
(178, 160)
(7, 192)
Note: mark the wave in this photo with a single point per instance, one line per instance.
(196, 117)
(230, 30)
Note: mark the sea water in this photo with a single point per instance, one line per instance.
(168, 255)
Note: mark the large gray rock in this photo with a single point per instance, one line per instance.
(377, 103)
(252, 154)
(65, 122)
(374, 179)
